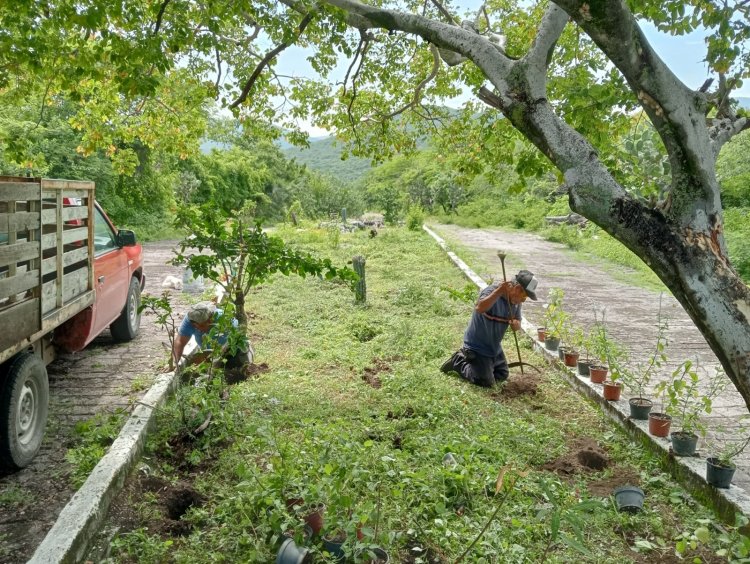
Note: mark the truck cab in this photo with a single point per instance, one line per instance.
(66, 274)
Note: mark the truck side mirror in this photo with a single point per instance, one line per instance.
(125, 238)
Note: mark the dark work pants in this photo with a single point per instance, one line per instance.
(477, 369)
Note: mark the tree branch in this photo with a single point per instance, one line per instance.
(464, 42)
(418, 90)
(159, 16)
(443, 11)
(269, 57)
(218, 70)
(678, 113)
(550, 29)
(722, 130)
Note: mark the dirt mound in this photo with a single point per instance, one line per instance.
(371, 379)
(620, 477)
(516, 388)
(583, 455)
(370, 375)
(248, 372)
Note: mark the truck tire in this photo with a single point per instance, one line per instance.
(125, 327)
(23, 410)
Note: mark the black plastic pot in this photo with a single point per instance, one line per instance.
(640, 408)
(290, 553)
(561, 352)
(629, 499)
(683, 444)
(717, 474)
(583, 367)
(551, 343)
(380, 555)
(335, 547)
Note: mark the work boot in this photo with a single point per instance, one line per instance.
(450, 365)
(468, 354)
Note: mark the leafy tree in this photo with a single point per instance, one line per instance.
(562, 77)
(733, 170)
(241, 255)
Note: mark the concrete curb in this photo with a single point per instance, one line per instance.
(80, 519)
(691, 471)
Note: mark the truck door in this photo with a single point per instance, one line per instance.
(111, 277)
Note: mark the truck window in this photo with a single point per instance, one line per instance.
(104, 237)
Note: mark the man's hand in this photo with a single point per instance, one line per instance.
(515, 324)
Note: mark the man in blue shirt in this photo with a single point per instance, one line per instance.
(481, 360)
(196, 324)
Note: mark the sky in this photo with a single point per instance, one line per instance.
(683, 54)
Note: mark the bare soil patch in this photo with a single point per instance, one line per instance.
(583, 456)
(621, 476)
(173, 502)
(370, 374)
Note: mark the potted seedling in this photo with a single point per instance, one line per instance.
(554, 319)
(612, 387)
(616, 358)
(572, 353)
(583, 343)
(720, 469)
(541, 334)
(600, 348)
(686, 403)
(638, 378)
(660, 421)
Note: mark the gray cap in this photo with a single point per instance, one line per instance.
(202, 312)
(528, 282)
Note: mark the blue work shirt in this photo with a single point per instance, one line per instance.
(187, 329)
(483, 336)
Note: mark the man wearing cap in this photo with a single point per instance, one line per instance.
(481, 360)
(197, 323)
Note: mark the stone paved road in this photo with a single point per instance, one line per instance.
(102, 378)
(631, 314)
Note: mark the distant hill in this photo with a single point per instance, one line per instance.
(324, 156)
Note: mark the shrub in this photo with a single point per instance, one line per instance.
(415, 219)
(737, 224)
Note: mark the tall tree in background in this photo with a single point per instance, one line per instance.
(563, 76)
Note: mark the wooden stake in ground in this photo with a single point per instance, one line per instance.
(360, 290)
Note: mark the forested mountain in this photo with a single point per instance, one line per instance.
(324, 156)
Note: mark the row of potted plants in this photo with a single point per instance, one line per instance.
(686, 396)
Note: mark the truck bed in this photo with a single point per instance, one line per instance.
(46, 257)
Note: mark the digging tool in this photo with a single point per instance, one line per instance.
(501, 255)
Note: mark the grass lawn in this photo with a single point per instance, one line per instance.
(352, 412)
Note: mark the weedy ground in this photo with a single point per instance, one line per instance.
(349, 409)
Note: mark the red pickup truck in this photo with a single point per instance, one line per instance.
(66, 274)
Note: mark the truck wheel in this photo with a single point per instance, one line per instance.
(23, 410)
(125, 327)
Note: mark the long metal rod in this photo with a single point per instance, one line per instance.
(501, 256)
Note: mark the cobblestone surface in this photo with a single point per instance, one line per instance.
(631, 314)
(100, 379)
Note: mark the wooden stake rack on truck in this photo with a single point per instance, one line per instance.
(54, 240)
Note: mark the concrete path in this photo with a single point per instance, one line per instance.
(631, 314)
